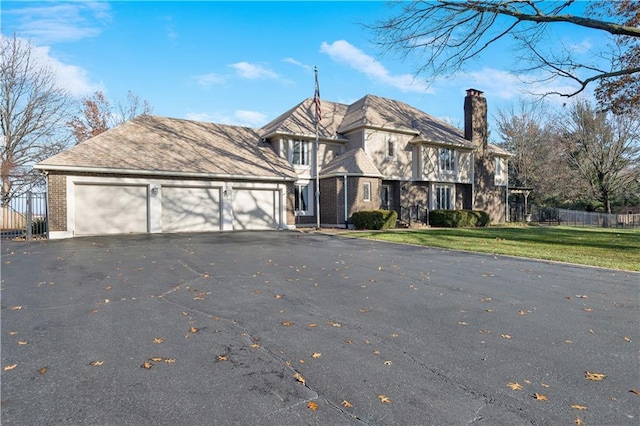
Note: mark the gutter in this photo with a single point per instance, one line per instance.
(106, 170)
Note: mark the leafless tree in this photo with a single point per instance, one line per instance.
(97, 114)
(538, 162)
(603, 148)
(33, 112)
(447, 34)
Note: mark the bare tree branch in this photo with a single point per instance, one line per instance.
(445, 35)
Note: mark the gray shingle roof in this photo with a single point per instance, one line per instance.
(374, 111)
(151, 144)
(354, 162)
(300, 120)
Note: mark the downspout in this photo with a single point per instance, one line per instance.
(346, 208)
(506, 194)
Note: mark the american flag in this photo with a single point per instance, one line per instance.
(316, 99)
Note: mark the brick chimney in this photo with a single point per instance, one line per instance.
(475, 118)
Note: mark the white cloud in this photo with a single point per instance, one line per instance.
(71, 78)
(60, 22)
(250, 118)
(238, 118)
(344, 52)
(207, 80)
(298, 63)
(253, 71)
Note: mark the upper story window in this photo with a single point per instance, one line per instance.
(447, 160)
(391, 148)
(300, 153)
(498, 167)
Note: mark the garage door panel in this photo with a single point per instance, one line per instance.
(190, 209)
(254, 209)
(104, 209)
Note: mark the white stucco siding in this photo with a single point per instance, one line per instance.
(430, 156)
(397, 166)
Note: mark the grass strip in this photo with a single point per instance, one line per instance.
(608, 248)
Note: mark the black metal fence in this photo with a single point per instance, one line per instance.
(554, 216)
(414, 215)
(25, 217)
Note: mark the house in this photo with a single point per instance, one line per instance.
(156, 174)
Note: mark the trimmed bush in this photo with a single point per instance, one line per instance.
(458, 218)
(375, 219)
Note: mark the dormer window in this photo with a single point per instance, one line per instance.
(300, 153)
(447, 160)
(391, 148)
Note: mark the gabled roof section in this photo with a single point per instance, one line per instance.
(376, 112)
(355, 162)
(159, 145)
(300, 121)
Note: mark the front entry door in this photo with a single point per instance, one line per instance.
(386, 197)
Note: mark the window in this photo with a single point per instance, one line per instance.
(366, 191)
(301, 199)
(300, 154)
(498, 167)
(391, 148)
(443, 198)
(447, 160)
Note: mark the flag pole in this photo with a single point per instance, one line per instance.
(316, 100)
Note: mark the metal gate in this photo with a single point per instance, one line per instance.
(25, 217)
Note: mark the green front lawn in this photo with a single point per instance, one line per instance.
(609, 248)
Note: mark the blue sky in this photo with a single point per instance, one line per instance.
(247, 62)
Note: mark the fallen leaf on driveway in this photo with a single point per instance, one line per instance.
(594, 376)
(299, 378)
(388, 363)
(147, 365)
(287, 323)
(506, 336)
(635, 391)
(384, 399)
(462, 323)
(43, 370)
(578, 407)
(96, 363)
(540, 397)
(316, 355)
(9, 367)
(22, 342)
(578, 421)
(156, 359)
(515, 386)
(222, 357)
(312, 406)
(335, 324)
(158, 340)
(170, 360)
(626, 339)
(346, 403)
(193, 329)
(16, 308)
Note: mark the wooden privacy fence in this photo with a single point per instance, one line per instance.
(25, 216)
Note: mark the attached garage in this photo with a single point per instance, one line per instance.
(191, 209)
(156, 174)
(110, 209)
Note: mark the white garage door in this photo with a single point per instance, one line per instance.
(103, 209)
(190, 209)
(254, 209)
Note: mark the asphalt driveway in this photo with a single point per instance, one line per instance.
(278, 328)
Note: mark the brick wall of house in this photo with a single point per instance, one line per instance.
(57, 188)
